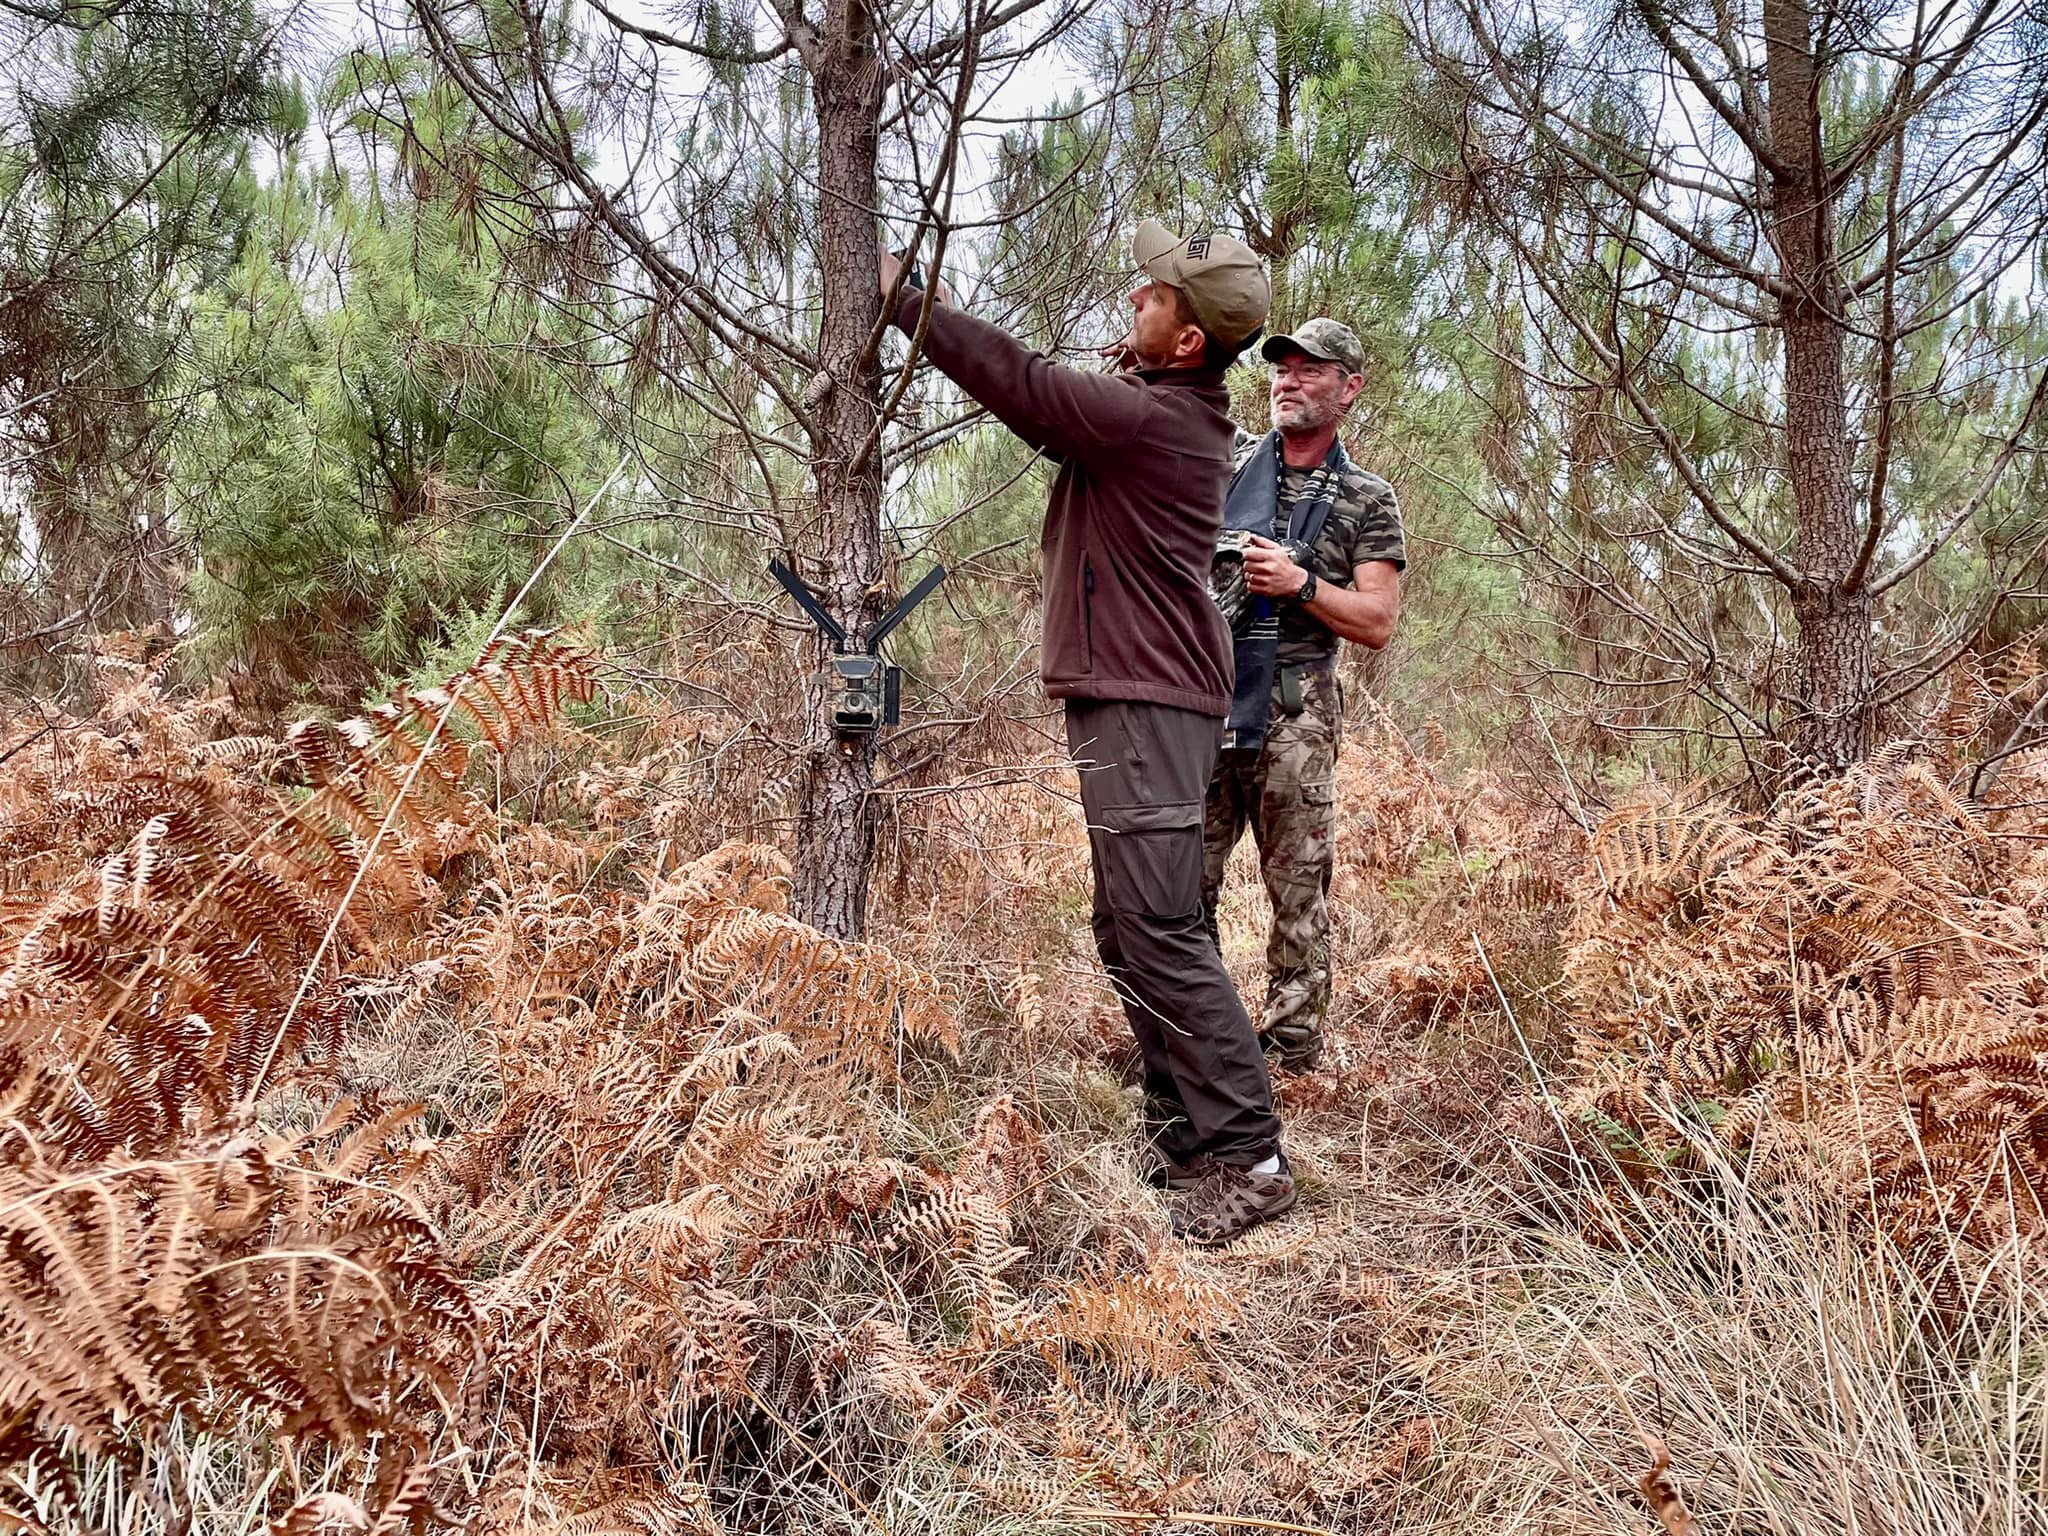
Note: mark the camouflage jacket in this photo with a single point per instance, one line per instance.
(1364, 525)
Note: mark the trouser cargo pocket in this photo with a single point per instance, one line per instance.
(1152, 857)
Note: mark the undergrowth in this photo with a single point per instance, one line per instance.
(438, 1120)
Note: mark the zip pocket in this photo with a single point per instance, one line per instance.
(1088, 609)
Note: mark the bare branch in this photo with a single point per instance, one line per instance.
(1623, 379)
(1908, 98)
(1985, 486)
(1887, 394)
(1754, 132)
(663, 39)
(801, 31)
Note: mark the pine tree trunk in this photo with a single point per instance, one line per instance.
(835, 823)
(1580, 611)
(1832, 713)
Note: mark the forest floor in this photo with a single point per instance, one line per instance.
(592, 1192)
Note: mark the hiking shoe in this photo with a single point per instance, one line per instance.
(1165, 1173)
(1229, 1201)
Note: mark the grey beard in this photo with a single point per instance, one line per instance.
(1313, 421)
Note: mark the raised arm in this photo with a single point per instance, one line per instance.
(1076, 415)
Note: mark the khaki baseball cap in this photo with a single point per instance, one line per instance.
(1330, 340)
(1225, 285)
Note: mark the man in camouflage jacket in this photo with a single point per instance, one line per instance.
(1298, 596)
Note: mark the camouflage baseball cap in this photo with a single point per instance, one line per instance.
(1225, 285)
(1330, 340)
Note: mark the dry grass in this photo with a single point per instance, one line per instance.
(607, 1197)
(1803, 1379)
(1848, 993)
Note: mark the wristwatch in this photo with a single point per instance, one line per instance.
(1307, 594)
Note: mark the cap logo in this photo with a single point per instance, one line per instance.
(1198, 247)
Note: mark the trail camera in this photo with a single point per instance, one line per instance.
(867, 693)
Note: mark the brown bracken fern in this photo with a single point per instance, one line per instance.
(652, 1254)
(165, 967)
(1847, 992)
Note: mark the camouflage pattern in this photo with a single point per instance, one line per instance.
(1331, 340)
(1286, 794)
(1228, 584)
(1364, 525)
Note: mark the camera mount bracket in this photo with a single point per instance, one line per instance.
(868, 692)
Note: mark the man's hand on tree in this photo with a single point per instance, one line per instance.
(887, 265)
(1120, 355)
(1269, 570)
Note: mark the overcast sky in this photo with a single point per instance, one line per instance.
(332, 27)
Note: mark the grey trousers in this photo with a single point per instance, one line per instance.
(1145, 769)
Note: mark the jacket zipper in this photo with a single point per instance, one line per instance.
(1088, 608)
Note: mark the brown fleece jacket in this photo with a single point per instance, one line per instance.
(1130, 530)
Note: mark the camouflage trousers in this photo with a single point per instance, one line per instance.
(1285, 792)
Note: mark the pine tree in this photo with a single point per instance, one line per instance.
(127, 144)
(382, 442)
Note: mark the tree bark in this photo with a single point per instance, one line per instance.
(1832, 712)
(835, 822)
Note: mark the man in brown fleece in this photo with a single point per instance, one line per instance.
(1136, 647)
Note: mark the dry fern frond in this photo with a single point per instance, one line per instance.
(1660, 1492)
(266, 1272)
(1649, 859)
(1154, 1321)
(1860, 973)
(173, 942)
